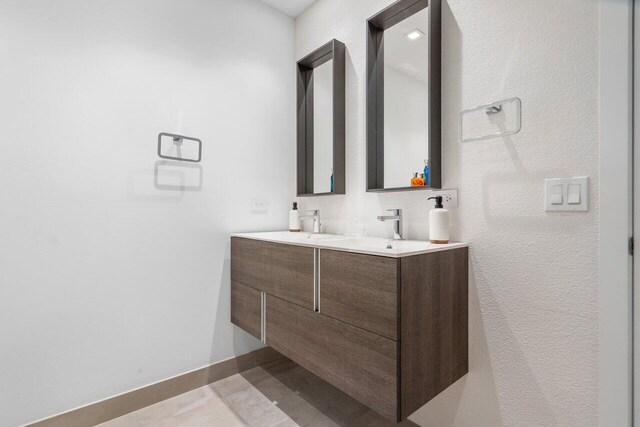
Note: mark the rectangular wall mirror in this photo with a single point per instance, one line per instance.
(321, 121)
(403, 97)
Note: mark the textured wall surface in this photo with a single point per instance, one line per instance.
(108, 283)
(533, 288)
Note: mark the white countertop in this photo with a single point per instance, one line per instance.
(362, 245)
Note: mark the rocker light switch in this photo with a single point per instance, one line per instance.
(567, 194)
(573, 194)
(556, 194)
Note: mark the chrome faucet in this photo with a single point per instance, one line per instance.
(315, 215)
(397, 222)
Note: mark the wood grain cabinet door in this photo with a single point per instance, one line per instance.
(361, 290)
(435, 322)
(362, 364)
(285, 271)
(246, 309)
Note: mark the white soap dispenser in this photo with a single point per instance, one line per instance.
(438, 223)
(294, 218)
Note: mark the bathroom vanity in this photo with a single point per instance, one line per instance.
(384, 321)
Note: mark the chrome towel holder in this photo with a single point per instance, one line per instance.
(491, 110)
(178, 141)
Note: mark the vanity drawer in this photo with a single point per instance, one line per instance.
(246, 309)
(361, 290)
(360, 363)
(285, 271)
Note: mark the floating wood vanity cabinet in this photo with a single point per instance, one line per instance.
(389, 330)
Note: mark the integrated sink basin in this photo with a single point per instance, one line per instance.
(386, 246)
(364, 245)
(288, 236)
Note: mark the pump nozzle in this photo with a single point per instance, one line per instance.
(438, 199)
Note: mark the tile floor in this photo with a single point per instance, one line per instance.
(280, 394)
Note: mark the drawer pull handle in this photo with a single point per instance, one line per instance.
(316, 280)
(263, 317)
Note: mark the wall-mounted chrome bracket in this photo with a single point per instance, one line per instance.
(494, 110)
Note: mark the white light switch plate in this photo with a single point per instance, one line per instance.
(259, 205)
(567, 194)
(449, 197)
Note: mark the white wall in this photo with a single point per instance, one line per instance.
(534, 275)
(107, 283)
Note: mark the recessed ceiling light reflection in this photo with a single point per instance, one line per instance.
(415, 34)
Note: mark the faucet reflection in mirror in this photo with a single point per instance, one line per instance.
(315, 216)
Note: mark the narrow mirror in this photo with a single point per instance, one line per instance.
(321, 121)
(403, 97)
(406, 98)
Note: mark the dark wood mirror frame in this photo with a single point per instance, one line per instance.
(333, 50)
(376, 26)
